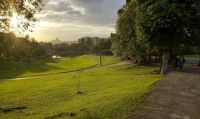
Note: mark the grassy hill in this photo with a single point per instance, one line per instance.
(51, 66)
(107, 92)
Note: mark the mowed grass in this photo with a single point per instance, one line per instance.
(51, 66)
(192, 56)
(108, 92)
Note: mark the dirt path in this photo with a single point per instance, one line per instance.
(177, 96)
(59, 73)
(55, 74)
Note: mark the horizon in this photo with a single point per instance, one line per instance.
(55, 39)
(70, 20)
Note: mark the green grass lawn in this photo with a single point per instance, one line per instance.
(51, 66)
(192, 56)
(108, 92)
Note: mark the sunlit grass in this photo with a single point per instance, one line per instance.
(108, 92)
(51, 66)
(192, 56)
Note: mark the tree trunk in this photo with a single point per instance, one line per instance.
(141, 60)
(150, 61)
(199, 63)
(165, 62)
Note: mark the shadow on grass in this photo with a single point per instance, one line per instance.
(35, 67)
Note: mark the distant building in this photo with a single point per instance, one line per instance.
(85, 40)
(57, 41)
(90, 40)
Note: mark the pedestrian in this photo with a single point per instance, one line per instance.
(181, 63)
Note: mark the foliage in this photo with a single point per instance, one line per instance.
(84, 47)
(21, 49)
(156, 27)
(18, 49)
(125, 41)
(24, 49)
(103, 47)
(65, 49)
(164, 23)
(168, 25)
(26, 9)
(188, 50)
(6, 46)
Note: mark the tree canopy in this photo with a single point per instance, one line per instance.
(168, 23)
(23, 9)
(156, 27)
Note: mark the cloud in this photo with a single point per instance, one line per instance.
(82, 15)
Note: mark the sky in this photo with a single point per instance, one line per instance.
(70, 20)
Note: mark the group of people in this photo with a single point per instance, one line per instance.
(179, 62)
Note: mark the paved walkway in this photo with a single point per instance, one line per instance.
(54, 74)
(177, 96)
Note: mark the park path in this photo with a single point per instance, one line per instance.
(54, 74)
(59, 73)
(177, 96)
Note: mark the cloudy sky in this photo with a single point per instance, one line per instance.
(71, 19)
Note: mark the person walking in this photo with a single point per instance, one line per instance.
(181, 63)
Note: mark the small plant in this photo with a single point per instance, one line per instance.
(78, 84)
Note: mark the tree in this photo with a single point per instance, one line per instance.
(47, 48)
(22, 49)
(6, 46)
(36, 49)
(156, 27)
(124, 42)
(167, 24)
(24, 9)
(103, 47)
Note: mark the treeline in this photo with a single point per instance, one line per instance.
(161, 28)
(24, 49)
(84, 46)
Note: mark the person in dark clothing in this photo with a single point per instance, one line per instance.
(181, 63)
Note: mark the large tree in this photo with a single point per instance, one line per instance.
(16, 15)
(125, 40)
(146, 26)
(168, 24)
